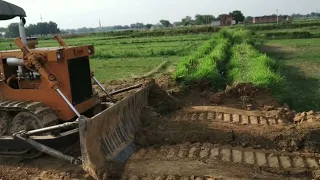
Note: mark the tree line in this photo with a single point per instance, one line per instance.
(198, 19)
(41, 28)
(310, 15)
(44, 28)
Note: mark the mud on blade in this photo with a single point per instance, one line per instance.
(108, 136)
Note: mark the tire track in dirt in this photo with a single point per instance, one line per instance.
(230, 115)
(217, 125)
(245, 156)
(282, 117)
(208, 161)
(227, 159)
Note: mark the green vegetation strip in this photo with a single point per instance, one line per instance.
(156, 69)
(289, 35)
(249, 65)
(282, 25)
(203, 65)
(233, 51)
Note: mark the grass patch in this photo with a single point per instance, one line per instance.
(282, 25)
(288, 35)
(188, 64)
(155, 50)
(205, 64)
(210, 66)
(299, 62)
(248, 65)
(125, 68)
(131, 57)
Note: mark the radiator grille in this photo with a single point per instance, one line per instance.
(80, 80)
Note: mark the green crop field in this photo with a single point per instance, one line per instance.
(299, 61)
(121, 58)
(289, 64)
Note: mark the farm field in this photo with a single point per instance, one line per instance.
(225, 105)
(116, 59)
(299, 61)
(313, 30)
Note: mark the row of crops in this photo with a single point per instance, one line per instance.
(227, 59)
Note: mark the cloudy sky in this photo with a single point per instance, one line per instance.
(87, 13)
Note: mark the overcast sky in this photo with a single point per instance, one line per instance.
(87, 13)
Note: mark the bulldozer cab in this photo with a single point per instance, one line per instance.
(10, 11)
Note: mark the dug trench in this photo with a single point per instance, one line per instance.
(239, 133)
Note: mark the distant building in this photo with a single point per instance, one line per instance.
(215, 23)
(225, 20)
(267, 19)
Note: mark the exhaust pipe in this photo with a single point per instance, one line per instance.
(22, 31)
(15, 62)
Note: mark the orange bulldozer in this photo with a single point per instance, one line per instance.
(47, 102)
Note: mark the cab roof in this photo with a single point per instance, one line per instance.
(10, 11)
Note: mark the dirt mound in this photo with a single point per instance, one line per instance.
(310, 117)
(247, 96)
(242, 89)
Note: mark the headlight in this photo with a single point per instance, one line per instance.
(59, 57)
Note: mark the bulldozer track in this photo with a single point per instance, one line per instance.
(229, 115)
(247, 156)
(44, 113)
(166, 177)
(39, 109)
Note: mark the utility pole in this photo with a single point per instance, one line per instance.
(41, 17)
(277, 16)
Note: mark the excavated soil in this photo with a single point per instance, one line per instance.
(196, 134)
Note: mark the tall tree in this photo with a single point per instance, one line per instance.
(249, 19)
(32, 29)
(43, 28)
(53, 28)
(126, 27)
(148, 26)
(203, 19)
(12, 30)
(198, 19)
(165, 23)
(139, 25)
(207, 19)
(133, 26)
(238, 16)
(187, 21)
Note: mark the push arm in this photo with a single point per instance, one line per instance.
(36, 62)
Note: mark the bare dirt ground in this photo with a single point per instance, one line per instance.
(182, 129)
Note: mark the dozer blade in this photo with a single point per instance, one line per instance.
(108, 137)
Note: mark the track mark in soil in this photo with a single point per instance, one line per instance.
(199, 170)
(167, 177)
(230, 115)
(245, 156)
